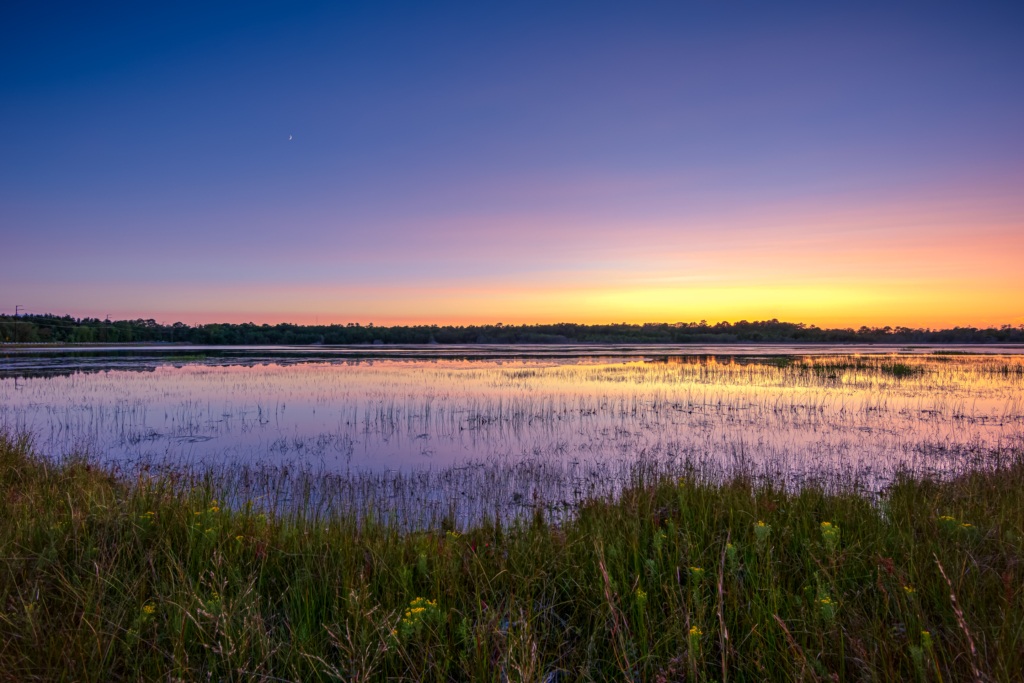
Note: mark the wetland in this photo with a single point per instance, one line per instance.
(513, 427)
(549, 515)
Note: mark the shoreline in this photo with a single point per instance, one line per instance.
(107, 575)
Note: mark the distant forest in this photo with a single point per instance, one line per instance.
(56, 329)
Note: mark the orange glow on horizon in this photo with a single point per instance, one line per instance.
(923, 264)
(927, 304)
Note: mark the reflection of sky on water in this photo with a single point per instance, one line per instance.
(396, 413)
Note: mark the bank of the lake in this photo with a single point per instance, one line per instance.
(104, 577)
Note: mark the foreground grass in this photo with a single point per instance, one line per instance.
(154, 579)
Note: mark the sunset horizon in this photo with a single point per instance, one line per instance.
(837, 166)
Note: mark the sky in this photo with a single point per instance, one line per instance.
(837, 164)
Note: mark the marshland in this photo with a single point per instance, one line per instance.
(623, 516)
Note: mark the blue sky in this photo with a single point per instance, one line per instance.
(528, 162)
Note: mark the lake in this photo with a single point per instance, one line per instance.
(799, 409)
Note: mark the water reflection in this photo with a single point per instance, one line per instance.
(862, 412)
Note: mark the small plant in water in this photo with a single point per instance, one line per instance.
(900, 369)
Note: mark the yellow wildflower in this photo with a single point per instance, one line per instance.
(420, 610)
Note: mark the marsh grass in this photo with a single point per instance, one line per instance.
(680, 576)
(833, 369)
(882, 409)
(185, 358)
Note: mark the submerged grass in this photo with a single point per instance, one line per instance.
(374, 414)
(184, 358)
(835, 368)
(104, 577)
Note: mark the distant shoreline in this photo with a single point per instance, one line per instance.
(562, 345)
(40, 330)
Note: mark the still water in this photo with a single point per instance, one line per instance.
(405, 409)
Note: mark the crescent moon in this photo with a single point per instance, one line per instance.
(289, 137)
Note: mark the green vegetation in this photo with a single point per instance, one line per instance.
(185, 358)
(66, 329)
(834, 367)
(157, 577)
(900, 369)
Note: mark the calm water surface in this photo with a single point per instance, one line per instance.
(414, 407)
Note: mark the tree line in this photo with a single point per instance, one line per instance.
(67, 329)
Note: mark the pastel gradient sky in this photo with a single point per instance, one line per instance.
(819, 162)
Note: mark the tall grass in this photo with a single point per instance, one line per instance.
(154, 577)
